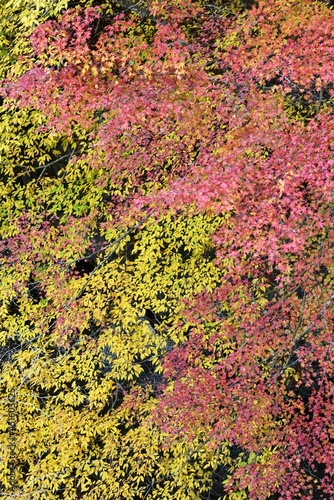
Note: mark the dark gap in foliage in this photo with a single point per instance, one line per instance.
(153, 318)
(149, 377)
(6, 252)
(35, 291)
(50, 169)
(322, 273)
(112, 403)
(57, 352)
(300, 292)
(317, 473)
(269, 84)
(107, 359)
(13, 346)
(216, 490)
(220, 474)
(13, 308)
(82, 268)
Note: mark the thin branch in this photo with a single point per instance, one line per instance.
(69, 155)
(136, 7)
(41, 167)
(321, 95)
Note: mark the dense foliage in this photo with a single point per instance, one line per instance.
(166, 279)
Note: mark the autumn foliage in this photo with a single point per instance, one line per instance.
(166, 288)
